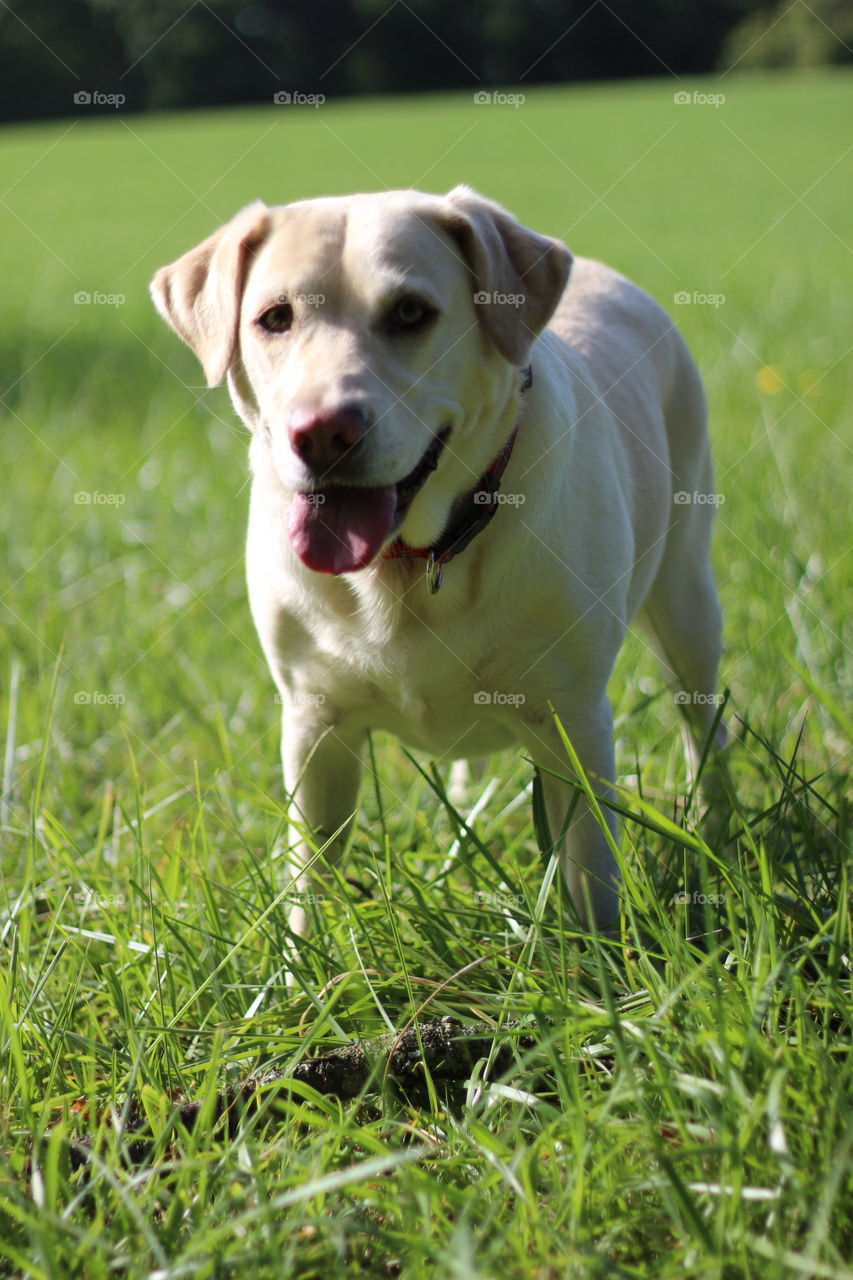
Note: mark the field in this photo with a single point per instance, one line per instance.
(684, 1108)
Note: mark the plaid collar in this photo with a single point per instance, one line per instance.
(479, 508)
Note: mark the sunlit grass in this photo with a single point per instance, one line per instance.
(686, 1109)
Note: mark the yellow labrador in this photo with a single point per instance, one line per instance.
(470, 458)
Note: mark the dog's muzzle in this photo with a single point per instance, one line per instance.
(341, 528)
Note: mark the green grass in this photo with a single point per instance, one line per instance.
(688, 1109)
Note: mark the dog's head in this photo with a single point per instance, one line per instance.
(373, 343)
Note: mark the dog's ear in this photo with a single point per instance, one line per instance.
(511, 262)
(200, 294)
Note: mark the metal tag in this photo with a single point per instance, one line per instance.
(434, 573)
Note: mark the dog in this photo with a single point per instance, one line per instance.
(474, 461)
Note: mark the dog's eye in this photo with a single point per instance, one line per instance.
(277, 319)
(409, 314)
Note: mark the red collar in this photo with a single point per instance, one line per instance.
(479, 508)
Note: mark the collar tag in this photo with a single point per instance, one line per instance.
(434, 573)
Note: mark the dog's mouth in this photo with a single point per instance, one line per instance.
(341, 528)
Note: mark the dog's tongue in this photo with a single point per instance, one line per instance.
(339, 530)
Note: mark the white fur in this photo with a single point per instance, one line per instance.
(536, 608)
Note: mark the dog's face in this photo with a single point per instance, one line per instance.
(366, 340)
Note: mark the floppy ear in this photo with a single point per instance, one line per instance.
(200, 294)
(507, 260)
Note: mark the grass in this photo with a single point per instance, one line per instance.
(687, 1110)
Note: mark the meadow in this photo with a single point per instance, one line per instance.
(682, 1104)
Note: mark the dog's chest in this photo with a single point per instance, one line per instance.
(439, 700)
(438, 687)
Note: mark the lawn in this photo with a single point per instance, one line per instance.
(681, 1104)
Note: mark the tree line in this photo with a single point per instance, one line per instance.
(164, 55)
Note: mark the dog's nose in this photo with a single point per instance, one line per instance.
(322, 437)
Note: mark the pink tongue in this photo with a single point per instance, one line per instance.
(339, 530)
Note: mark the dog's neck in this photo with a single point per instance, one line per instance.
(470, 514)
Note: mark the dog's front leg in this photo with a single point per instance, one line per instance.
(322, 771)
(586, 858)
